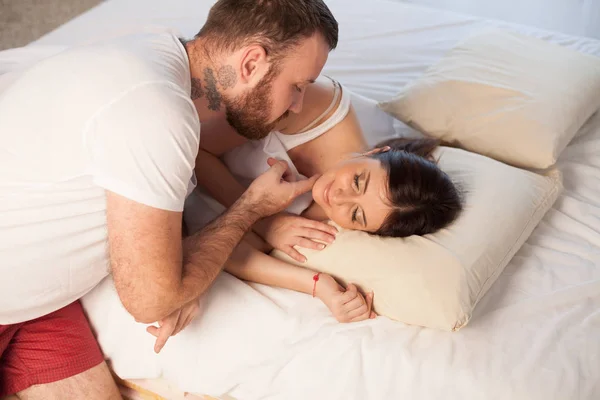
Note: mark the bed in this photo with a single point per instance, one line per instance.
(534, 336)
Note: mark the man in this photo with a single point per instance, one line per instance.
(97, 149)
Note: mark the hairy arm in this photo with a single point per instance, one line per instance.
(155, 272)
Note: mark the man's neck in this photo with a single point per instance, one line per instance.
(208, 81)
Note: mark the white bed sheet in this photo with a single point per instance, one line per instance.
(534, 336)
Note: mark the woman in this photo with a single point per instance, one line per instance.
(393, 190)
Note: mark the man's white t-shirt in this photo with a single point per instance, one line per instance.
(115, 115)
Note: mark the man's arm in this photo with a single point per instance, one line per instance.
(155, 272)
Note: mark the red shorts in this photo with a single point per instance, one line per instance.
(47, 349)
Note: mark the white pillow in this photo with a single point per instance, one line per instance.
(514, 98)
(375, 124)
(436, 280)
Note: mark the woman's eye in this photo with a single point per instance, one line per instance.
(354, 214)
(298, 88)
(357, 182)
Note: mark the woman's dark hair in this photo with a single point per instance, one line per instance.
(424, 199)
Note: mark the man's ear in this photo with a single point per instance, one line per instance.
(253, 64)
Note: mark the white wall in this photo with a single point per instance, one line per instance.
(576, 17)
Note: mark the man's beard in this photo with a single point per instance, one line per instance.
(249, 113)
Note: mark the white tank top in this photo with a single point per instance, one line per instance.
(249, 160)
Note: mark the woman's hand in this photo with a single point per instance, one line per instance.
(284, 230)
(173, 324)
(346, 305)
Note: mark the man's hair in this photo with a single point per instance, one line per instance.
(277, 25)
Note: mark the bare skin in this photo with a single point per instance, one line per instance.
(93, 384)
(158, 275)
(155, 272)
(314, 157)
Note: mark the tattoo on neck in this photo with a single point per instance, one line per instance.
(212, 93)
(197, 90)
(227, 76)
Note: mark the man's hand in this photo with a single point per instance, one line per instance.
(346, 305)
(270, 193)
(155, 272)
(173, 324)
(283, 231)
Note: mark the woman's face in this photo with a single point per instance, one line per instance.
(353, 194)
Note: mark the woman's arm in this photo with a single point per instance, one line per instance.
(220, 183)
(347, 305)
(214, 175)
(249, 264)
(216, 139)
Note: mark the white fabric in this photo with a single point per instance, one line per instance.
(114, 115)
(497, 94)
(375, 124)
(534, 336)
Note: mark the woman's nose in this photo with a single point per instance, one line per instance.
(341, 197)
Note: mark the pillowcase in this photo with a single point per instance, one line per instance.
(375, 124)
(511, 97)
(436, 280)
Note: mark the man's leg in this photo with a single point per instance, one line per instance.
(55, 357)
(93, 384)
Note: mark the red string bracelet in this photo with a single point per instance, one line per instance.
(316, 279)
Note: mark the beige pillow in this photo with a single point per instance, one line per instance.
(514, 98)
(436, 280)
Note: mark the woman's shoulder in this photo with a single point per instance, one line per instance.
(320, 102)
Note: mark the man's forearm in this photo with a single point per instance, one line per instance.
(221, 184)
(205, 253)
(156, 272)
(201, 258)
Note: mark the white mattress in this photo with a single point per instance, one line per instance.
(535, 335)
